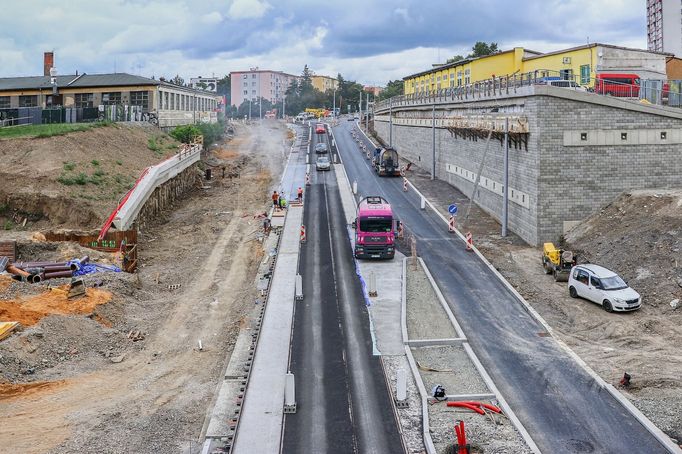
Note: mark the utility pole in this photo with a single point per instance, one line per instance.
(505, 203)
(367, 113)
(390, 122)
(433, 142)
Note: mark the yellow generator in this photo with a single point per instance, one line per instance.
(557, 262)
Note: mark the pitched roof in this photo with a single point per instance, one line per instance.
(82, 80)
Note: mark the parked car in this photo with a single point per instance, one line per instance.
(602, 286)
(566, 84)
(322, 163)
(321, 148)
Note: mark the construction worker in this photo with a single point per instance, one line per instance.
(282, 202)
(299, 195)
(275, 199)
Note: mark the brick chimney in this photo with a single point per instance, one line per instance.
(48, 62)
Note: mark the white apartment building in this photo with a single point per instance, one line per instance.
(255, 83)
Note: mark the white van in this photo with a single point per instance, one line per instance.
(566, 84)
(602, 286)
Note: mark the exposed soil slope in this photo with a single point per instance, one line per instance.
(74, 180)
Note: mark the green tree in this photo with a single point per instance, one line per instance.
(481, 49)
(225, 88)
(393, 88)
(177, 80)
(454, 59)
(186, 133)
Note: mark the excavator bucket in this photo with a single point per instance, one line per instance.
(77, 287)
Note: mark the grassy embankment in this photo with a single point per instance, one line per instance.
(48, 130)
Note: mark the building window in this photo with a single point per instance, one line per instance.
(177, 101)
(467, 76)
(245, 76)
(82, 100)
(28, 100)
(584, 74)
(253, 76)
(253, 84)
(4, 102)
(566, 74)
(246, 92)
(110, 99)
(246, 84)
(172, 101)
(140, 98)
(165, 100)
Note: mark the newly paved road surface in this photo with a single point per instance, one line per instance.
(343, 402)
(560, 405)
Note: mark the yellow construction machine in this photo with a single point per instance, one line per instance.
(557, 262)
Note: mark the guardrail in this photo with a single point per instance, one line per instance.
(652, 91)
(154, 177)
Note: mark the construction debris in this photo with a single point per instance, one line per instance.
(6, 328)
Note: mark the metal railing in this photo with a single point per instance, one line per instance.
(653, 91)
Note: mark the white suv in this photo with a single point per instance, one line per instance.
(602, 286)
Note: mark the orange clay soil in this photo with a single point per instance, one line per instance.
(31, 309)
(9, 390)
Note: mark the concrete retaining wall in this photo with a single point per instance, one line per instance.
(577, 158)
(166, 195)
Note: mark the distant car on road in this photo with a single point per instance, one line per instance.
(322, 163)
(321, 148)
(603, 286)
(351, 119)
(319, 128)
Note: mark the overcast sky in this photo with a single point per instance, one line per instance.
(366, 40)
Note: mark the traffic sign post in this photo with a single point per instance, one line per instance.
(452, 209)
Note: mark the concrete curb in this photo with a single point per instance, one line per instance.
(636, 413)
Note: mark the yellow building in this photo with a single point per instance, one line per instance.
(578, 63)
(324, 83)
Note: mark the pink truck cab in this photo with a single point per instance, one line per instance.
(375, 229)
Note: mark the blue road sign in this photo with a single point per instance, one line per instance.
(452, 209)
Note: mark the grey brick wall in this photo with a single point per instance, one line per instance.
(564, 184)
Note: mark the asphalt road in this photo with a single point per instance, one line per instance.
(343, 402)
(561, 406)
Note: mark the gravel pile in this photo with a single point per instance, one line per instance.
(48, 350)
(426, 318)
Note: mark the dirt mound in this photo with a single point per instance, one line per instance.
(74, 180)
(30, 310)
(639, 236)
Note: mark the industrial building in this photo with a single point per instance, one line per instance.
(664, 26)
(580, 63)
(173, 104)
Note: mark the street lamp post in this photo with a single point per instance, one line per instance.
(334, 105)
